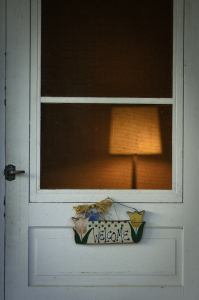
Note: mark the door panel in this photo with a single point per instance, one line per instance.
(55, 260)
(171, 235)
(157, 260)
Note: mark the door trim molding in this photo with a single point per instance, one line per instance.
(2, 141)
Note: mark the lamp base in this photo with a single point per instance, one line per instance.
(134, 181)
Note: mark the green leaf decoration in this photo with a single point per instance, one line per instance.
(137, 237)
(85, 238)
(77, 237)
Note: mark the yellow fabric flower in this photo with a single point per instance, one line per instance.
(136, 218)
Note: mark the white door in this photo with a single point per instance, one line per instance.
(42, 259)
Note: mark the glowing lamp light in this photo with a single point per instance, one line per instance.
(135, 130)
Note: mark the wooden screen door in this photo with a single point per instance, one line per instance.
(42, 260)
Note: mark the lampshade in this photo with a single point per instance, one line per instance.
(135, 130)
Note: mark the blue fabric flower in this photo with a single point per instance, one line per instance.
(92, 215)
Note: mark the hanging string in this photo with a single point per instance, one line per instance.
(123, 204)
(115, 211)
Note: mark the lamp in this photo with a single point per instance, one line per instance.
(135, 130)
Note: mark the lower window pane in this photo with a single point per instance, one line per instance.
(106, 146)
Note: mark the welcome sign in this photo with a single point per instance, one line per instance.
(109, 232)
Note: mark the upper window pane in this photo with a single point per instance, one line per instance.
(107, 48)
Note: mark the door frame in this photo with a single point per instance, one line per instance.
(17, 34)
(2, 143)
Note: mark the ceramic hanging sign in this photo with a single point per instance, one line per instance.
(89, 229)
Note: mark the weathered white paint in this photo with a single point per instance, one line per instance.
(98, 293)
(59, 214)
(191, 146)
(2, 142)
(106, 100)
(110, 265)
(17, 143)
(45, 218)
(198, 159)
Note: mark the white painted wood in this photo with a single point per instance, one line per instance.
(59, 214)
(106, 100)
(82, 196)
(17, 146)
(95, 265)
(161, 218)
(191, 148)
(97, 293)
(174, 195)
(2, 142)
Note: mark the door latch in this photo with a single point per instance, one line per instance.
(10, 172)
